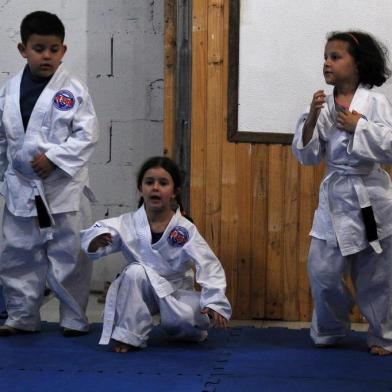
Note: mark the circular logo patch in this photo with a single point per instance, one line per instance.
(64, 100)
(178, 236)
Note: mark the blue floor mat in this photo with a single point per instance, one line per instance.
(238, 359)
(280, 359)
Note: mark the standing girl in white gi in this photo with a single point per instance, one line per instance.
(352, 229)
(161, 247)
(48, 130)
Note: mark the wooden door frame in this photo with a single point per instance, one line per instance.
(233, 133)
(177, 96)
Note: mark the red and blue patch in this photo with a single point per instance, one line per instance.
(178, 237)
(64, 100)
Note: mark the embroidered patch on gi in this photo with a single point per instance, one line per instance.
(64, 100)
(97, 225)
(178, 236)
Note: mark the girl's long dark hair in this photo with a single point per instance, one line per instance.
(370, 55)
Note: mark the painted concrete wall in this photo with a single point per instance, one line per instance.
(116, 47)
(282, 49)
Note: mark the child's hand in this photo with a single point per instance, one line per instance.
(314, 112)
(316, 105)
(100, 241)
(347, 120)
(42, 165)
(218, 321)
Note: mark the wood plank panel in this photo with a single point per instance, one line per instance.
(259, 229)
(290, 236)
(244, 206)
(274, 298)
(214, 122)
(229, 208)
(229, 221)
(305, 219)
(199, 112)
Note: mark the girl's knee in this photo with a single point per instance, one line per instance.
(325, 278)
(324, 272)
(135, 272)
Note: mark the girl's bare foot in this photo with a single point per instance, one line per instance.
(378, 350)
(121, 347)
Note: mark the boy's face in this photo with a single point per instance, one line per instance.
(43, 54)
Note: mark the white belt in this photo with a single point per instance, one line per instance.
(356, 176)
(110, 311)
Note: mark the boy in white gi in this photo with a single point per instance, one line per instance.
(161, 247)
(48, 129)
(352, 229)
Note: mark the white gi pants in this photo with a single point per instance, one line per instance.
(136, 302)
(371, 274)
(29, 258)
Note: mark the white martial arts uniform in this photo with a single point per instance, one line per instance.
(354, 181)
(62, 125)
(159, 279)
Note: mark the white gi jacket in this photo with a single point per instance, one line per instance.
(167, 262)
(62, 125)
(354, 178)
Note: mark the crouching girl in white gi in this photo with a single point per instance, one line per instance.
(352, 130)
(161, 246)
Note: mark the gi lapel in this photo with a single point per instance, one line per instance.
(45, 101)
(15, 115)
(360, 101)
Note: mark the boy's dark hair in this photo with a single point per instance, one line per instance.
(370, 55)
(171, 167)
(41, 23)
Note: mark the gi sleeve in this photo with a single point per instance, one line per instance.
(313, 152)
(75, 152)
(101, 227)
(373, 137)
(209, 275)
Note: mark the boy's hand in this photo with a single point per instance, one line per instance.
(42, 165)
(347, 120)
(101, 241)
(218, 321)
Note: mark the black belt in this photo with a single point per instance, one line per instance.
(370, 223)
(42, 213)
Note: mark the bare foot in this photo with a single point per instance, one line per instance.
(378, 350)
(121, 347)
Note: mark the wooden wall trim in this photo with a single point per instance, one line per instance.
(170, 71)
(183, 95)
